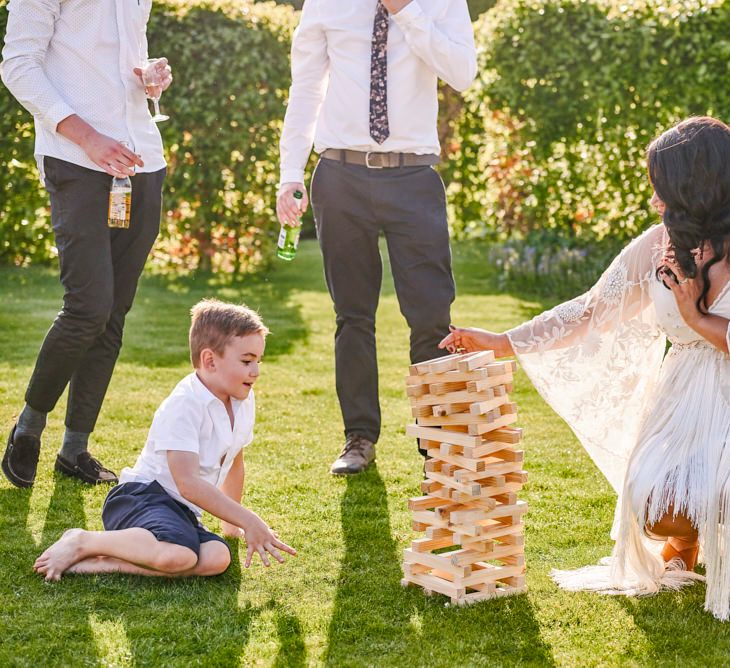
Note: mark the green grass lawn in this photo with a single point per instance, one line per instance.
(340, 602)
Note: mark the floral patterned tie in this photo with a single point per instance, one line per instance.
(379, 129)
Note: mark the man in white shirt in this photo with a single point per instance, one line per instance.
(74, 65)
(364, 92)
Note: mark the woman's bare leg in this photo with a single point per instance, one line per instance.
(135, 546)
(682, 538)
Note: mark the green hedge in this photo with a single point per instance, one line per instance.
(570, 92)
(231, 68)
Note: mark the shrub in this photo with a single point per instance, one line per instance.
(231, 68)
(570, 92)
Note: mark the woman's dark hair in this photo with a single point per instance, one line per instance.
(689, 167)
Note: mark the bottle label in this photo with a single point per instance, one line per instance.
(288, 236)
(119, 208)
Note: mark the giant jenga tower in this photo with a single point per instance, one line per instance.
(474, 544)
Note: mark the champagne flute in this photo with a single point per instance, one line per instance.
(152, 80)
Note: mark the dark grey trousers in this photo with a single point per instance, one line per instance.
(100, 268)
(352, 204)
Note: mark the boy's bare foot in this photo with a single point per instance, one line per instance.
(65, 552)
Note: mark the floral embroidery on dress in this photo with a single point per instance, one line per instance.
(614, 284)
(571, 311)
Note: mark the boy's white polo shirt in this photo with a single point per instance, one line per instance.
(193, 419)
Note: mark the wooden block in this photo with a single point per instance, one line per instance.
(442, 435)
(496, 493)
(485, 383)
(433, 583)
(458, 460)
(471, 489)
(456, 397)
(486, 448)
(421, 411)
(427, 544)
(500, 512)
(509, 455)
(492, 469)
(517, 476)
(497, 530)
(484, 428)
(421, 368)
(442, 388)
(466, 515)
(483, 572)
(415, 391)
(447, 409)
(435, 532)
(470, 556)
(455, 419)
(425, 502)
(418, 526)
(441, 562)
(443, 364)
(428, 518)
(483, 407)
(476, 361)
(509, 435)
(447, 377)
(508, 498)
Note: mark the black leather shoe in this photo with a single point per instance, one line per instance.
(21, 458)
(86, 469)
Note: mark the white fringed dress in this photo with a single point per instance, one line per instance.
(657, 426)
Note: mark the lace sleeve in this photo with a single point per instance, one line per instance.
(595, 359)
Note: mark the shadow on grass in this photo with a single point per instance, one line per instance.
(117, 619)
(671, 623)
(376, 621)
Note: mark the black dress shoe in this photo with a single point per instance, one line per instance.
(21, 458)
(87, 469)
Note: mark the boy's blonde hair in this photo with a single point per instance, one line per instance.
(215, 323)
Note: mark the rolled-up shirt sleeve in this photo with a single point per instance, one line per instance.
(29, 30)
(310, 75)
(445, 44)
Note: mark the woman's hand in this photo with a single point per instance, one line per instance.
(471, 339)
(686, 291)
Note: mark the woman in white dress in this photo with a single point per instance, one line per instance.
(658, 426)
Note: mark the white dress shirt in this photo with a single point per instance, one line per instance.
(64, 57)
(329, 99)
(193, 419)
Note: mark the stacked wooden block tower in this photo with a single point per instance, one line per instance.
(474, 544)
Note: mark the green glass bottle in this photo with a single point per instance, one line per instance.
(289, 236)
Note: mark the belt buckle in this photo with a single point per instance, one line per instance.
(367, 160)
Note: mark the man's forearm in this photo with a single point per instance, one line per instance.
(75, 129)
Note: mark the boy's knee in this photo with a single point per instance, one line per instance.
(215, 558)
(175, 559)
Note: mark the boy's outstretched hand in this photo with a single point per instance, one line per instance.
(260, 538)
(471, 339)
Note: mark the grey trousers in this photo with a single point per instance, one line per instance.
(100, 268)
(352, 205)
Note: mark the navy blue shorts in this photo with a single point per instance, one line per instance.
(148, 506)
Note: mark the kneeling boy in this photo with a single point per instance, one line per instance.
(192, 461)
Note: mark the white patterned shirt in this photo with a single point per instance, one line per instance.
(329, 99)
(64, 57)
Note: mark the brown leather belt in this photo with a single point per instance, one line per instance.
(379, 160)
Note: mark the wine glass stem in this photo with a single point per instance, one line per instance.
(156, 103)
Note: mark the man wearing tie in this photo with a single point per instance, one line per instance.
(364, 92)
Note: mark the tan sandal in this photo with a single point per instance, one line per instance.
(688, 556)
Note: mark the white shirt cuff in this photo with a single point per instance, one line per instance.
(410, 13)
(56, 114)
(291, 176)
